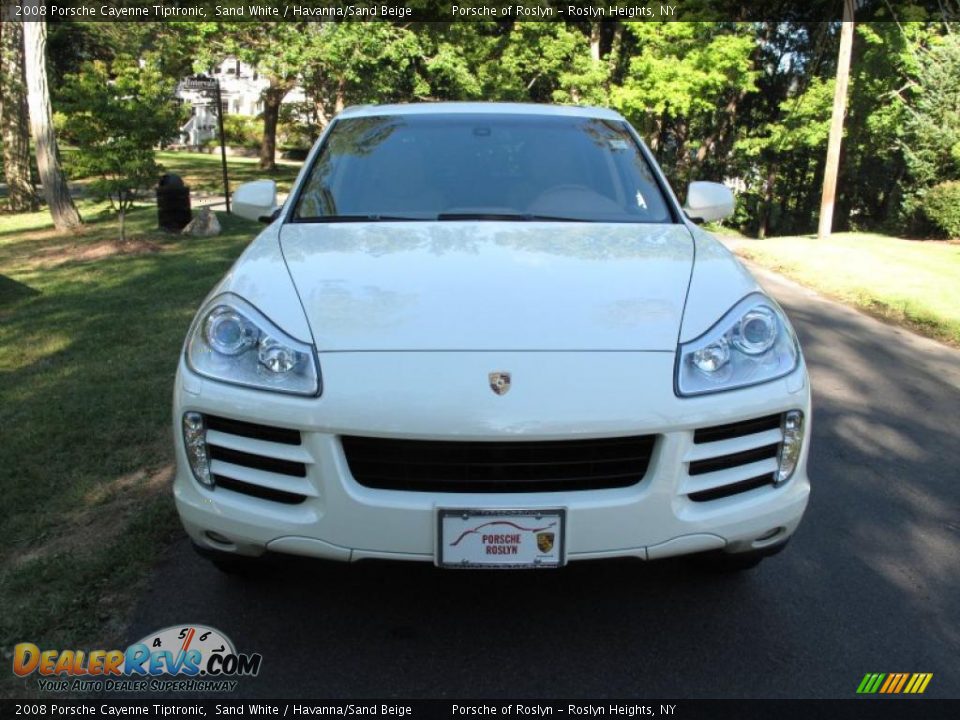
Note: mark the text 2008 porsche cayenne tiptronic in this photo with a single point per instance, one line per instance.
(486, 335)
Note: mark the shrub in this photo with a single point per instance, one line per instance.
(242, 131)
(297, 128)
(296, 136)
(941, 205)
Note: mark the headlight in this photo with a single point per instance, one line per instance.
(753, 343)
(231, 341)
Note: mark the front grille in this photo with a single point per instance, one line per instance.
(259, 461)
(734, 458)
(500, 466)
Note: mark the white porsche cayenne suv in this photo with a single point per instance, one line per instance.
(488, 336)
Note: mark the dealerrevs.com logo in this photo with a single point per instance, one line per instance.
(178, 658)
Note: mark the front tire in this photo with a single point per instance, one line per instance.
(732, 562)
(230, 563)
(727, 562)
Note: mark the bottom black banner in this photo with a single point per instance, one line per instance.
(887, 709)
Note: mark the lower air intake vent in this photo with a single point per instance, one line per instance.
(734, 458)
(260, 461)
(502, 467)
(258, 491)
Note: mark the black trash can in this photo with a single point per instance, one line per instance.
(173, 203)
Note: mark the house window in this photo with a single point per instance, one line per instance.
(224, 106)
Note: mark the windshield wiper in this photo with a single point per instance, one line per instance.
(492, 216)
(523, 217)
(373, 217)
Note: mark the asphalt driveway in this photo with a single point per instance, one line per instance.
(871, 582)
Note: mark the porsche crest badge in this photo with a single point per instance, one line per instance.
(545, 541)
(500, 382)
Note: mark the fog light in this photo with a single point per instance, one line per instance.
(195, 443)
(769, 535)
(792, 427)
(218, 538)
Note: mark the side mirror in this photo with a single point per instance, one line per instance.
(707, 201)
(255, 200)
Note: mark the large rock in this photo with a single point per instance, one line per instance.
(205, 224)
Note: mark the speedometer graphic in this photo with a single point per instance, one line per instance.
(186, 646)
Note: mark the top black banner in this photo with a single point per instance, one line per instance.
(479, 11)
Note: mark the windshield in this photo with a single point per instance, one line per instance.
(480, 167)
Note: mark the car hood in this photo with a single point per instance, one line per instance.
(490, 285)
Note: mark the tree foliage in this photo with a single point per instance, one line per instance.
(277, 50)
(116, 117)
(683, 89)
(941, 205)
(745, 103)
(931, 141)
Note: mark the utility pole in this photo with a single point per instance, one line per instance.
(836, 123)
(223, 146)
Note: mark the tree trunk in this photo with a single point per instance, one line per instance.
(595, 42)
(320, 110)
(614, 58)
(272, 97)
(13, 117)
(62, 209)
(341, 102)
(763, 227)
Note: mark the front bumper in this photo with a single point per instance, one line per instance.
(445, 396)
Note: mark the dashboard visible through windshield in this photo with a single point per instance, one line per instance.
(455, 166)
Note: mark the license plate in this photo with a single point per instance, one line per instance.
(500, 538)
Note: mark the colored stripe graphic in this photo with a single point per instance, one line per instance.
(891, 679)
(918, 683)
(903, 680)
(894, 683)
(870, 683)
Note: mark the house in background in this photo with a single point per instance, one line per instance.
(241, 89)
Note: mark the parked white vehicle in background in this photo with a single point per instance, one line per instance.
(487, 335)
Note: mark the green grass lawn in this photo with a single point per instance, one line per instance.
(202, 172)
(913, 282)
(90, 333)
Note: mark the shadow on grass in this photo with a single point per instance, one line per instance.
(11, 290)
(87, 359)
